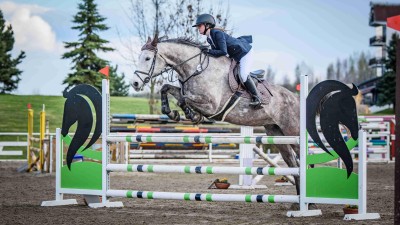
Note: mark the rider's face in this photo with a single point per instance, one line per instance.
(201, 28)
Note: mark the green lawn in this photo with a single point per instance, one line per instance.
(385, 112)
(14, 113)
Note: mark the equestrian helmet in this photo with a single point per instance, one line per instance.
(205, 19)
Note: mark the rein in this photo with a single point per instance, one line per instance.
(199, 68)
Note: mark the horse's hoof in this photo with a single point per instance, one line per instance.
(176, 116)
(197, 118)
(188, 114)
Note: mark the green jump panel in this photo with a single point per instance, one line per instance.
(83, 175)
(331, 182)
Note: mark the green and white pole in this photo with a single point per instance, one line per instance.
(202, 169)
(204, 197)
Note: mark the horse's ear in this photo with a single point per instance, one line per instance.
(155, 40)
(148, 40)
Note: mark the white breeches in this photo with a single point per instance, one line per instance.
(246, 64)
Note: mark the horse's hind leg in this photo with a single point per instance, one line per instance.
(174, 115)
(286, 151)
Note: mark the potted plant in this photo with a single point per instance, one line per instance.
(282, 180)
(350, 209)
(222, 183)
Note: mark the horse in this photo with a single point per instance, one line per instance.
(205, 90)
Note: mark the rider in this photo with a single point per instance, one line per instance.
(239, 49)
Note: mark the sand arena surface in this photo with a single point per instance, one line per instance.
(21, 195)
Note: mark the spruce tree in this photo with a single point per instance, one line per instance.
(86, 63)
(118, 87)
(9, 73)
(387, 85)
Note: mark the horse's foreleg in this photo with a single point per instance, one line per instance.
(165, 109)
(174, 115)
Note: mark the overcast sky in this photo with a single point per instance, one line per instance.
(285, 33)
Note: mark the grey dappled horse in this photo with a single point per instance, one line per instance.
(205, 90)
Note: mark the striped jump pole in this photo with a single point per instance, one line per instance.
(204, 139)
(202, 169)
(204, 197)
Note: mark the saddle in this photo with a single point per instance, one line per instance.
(258, 77)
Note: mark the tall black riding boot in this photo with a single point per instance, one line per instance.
(251, 87)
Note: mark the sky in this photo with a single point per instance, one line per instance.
(285, 33)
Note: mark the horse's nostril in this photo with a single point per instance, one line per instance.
(135, 84)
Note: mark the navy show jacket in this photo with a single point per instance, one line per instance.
(224, 44)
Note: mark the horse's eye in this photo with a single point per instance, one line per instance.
(147, 58)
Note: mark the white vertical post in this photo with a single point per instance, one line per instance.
(362, 172)
(246, 156)
(303, 142)
(51, 153)
(104, 134)
(127, 148)
(387, 139)
(59, 152)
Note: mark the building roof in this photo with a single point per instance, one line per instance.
(381, 11)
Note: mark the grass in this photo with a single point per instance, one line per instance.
(14, 113)
(385, 112)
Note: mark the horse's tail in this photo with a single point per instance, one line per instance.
(333, 101)
(77, 109)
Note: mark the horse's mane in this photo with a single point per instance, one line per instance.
(182, 40)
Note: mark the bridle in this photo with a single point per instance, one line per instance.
(150, 74)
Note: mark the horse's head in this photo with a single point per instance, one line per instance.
(150, 64)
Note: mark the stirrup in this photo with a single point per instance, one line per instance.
(256, 102)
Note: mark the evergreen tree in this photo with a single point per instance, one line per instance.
(330, 72)
(363, 69)
(338, 74)
(387, 85)
(86, 63)
(9, 73)
(354, 69)
(287, 84)
(118, 87)
(351, 75)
